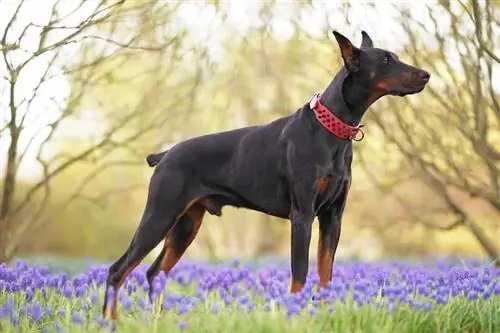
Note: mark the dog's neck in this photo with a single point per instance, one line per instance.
(346, 98)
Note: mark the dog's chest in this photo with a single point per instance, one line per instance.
(330, 184)
(332, 179)
(331, 193)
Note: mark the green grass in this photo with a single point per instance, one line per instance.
(460, 315)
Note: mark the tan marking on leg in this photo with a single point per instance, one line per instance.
(296, 286)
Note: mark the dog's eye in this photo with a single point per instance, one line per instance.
(387, 59)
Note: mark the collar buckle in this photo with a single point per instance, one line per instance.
(314, 101)
(334, 124)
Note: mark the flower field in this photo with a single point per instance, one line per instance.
(198, 297)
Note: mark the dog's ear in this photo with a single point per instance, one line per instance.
(367, 41)
(350, 53)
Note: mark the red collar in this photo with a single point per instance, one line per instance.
(332, 123)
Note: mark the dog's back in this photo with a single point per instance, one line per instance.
(251, 142)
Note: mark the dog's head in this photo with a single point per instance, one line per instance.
(380, 70)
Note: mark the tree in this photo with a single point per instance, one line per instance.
(79, 50)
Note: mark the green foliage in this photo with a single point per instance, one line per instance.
(103, 213)
(57, 264)
(460, 315)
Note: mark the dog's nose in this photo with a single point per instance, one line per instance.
(423, 75)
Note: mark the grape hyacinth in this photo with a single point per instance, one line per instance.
(32, 297)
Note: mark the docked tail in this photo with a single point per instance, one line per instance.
(154, 159)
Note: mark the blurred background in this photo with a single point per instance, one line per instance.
(88, 88)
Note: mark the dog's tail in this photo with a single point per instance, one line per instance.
(154, 159)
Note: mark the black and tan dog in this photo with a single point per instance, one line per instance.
(296, 167)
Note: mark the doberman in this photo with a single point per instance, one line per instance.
(296, 167)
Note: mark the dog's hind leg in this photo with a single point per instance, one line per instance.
(176, 243)
(183, 234)
(156, 222)
(153, 271)
(140, 246)
(185, 229)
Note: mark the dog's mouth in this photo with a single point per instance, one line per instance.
(409, 89)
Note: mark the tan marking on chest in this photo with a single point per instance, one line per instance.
(322, 184)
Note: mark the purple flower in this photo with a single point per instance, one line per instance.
(77, 318)
(101, 321)
(127, 304)
(58, 327)
(216, 309)
(388, 286)
(441, 299)
(28, 294)
(496, 290)
(227, 300)
(426, 306)
(68, 291)
(131, 288)
(80, 291)
(293, 309)
(141, 303)
(48, 311)
(110, 292)
(244, 299)
(94, 298)
(14, 320)
(183, 308)
(472, 295)
(313, 310)
(36, 313)
(267, 307)
(488, 292)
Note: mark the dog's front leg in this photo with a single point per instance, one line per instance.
(301, 239)
(328, 240)
(303, 176)
(330, 222)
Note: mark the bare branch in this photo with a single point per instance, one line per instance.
(5, 46)
(89, 22)
(419, 217)
(479, 30)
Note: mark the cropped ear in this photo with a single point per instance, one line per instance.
(350, 53)
(367, 41)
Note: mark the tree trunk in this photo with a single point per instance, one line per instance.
(10, 171)
(487, 245)
(9, 184)
(5, 255)
(9, 180)
(7, 199)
